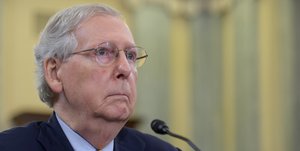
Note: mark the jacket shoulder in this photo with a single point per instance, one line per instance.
(150, 142)
(19, 137)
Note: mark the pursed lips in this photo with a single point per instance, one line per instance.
(118, 95)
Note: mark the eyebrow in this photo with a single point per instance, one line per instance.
(127, 45)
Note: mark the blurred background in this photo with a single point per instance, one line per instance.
(221, 72)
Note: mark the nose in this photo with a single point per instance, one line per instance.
(123, 68)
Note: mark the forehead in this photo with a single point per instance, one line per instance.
(101, 28)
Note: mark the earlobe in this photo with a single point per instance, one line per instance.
(51, 67)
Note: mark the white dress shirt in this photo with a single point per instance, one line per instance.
(79, 143)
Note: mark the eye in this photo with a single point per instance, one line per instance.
(131, 55)
(102, 51)
(105, 55)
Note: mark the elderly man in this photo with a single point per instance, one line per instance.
(87, 64)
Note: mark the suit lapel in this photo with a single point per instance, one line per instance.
(128, 142)
(52, 137)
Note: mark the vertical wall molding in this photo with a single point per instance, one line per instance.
(296, 69)
(153, 82)
(180, 79)
(246, 76)
(287, 76)
(1, 63)
(229, 82)
(207, 75)
(273, 64)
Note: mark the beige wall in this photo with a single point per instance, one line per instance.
(223, 78)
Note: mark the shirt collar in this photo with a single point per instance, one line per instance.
(79, 143)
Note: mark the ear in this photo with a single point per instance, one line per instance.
(51, 67)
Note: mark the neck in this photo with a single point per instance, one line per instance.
(96, 131)
(101, 135)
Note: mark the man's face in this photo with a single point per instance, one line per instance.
(95, 91)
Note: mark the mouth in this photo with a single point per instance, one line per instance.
(119, 96)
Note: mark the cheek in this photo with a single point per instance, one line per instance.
(99, 81)
(79, 79)
(87, 74)
(133, 82)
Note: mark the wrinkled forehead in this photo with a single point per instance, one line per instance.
(104, 28)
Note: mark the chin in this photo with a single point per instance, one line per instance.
(115, 115)
(123, 116)
(122, 119)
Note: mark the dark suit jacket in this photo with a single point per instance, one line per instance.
(49, 136)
